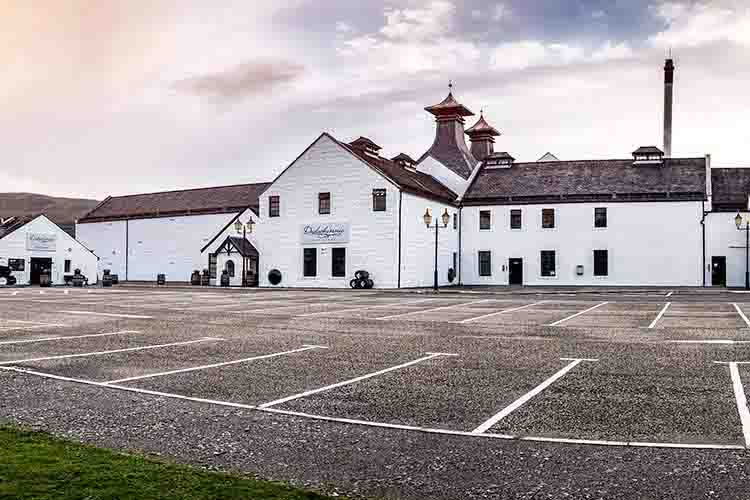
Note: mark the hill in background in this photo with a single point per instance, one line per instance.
(62, 211)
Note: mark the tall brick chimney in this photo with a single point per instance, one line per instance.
(668, 84)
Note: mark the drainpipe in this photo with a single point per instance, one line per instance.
(703, 231)
(460, 225)
(400, 198)
(127, 251)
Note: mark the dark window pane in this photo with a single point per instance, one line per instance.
(310, 264)
(485, 219)
(600, 217)
(16, 264)
(515, 218)
(324, 203)
(212, 265)
(230, 268)
(273, 206)
(338, 262)
(485, 263)
(67, 266)
(601, 263)
(378, 200)
(548, 218)
(455, 221)
(548, 263)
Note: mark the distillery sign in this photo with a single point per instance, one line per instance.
(41, 242)
(330, 232)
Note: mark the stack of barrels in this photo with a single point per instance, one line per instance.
(361, 280)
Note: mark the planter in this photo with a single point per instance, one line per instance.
(45, 280)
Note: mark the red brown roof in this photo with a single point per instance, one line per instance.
(201, 201)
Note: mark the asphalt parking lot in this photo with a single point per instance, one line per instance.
(516, 394)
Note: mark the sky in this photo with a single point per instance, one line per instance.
(109, 98)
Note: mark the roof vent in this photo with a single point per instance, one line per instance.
(648, 155)
(405, 161)
(365, 145)
(548, 157)
(499, 160)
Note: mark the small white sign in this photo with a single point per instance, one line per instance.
(329, 232)
(41, 242)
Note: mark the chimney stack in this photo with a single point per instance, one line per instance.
(482, 136)
(668, 84)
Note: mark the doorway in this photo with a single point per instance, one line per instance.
(40, 266)
(515, 271)
(719, 271)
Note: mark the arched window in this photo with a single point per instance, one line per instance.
(230, 268)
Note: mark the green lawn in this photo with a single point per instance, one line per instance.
(36, 466)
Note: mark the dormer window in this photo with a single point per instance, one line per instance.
(405, 161)
(648, 155)
(499, 160)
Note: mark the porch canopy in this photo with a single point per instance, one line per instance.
(239, 245)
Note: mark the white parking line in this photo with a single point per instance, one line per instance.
(363, 308)
(30, 327)
(469, 320)
(669, 294)
(114, 315)
(742, 314)
(351, 381)
(526, 397)
(99, 353)
(658, 316)
(710, 341)
(558, 322)
(215, 365)
(49, 339)
(433, 309)
(739, 395)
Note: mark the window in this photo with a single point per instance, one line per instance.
(485, 219)
(229, 267)
(455, 261)
(338, 262)
(548, 263)
(324, 203)
(485, 263)
(16, 264)
(455, 221)
(273, 206)
(67, 266)
(548, 218)
(601, 263)
(212, 266)
(378, 200)
(600, 217)
(515, 218)
(310, 262)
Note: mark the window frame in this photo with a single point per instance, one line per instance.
(488, 254)
(17, 265)
(231, 272)
(333, 262)
(274, 206)
(605, 252)
(547, 273)
(489, 220)
(314, 252)
(554, 222)
(67, 264)
(212, 265)
(324, 203)
(519, 213)
(597, 211)
(455, 221)
(379, 194)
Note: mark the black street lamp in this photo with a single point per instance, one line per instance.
(428, 220)
(244, 229)
(738, 223)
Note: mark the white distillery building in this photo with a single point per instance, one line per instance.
(34, 245)
(647, 218)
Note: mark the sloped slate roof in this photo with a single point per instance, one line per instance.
(730, 188)
(410, 181)
(243, 246)
(212, 200)
(591, 180)
(14, 224)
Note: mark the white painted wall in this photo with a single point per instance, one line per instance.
(723, 239)
(650, 243)
(446, 176)
(169, 245)
(327, 167)
(237, 258)
(13, 246)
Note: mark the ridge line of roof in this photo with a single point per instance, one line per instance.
(187, 189)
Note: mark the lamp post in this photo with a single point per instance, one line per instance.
(738, 223)
(244, 229)
(427, 217)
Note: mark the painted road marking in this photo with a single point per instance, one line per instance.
(714, 341)
(351, 381)
(433, 309)
(658, 316)
(469, 320)
(577, 314)
(216, 365)
(739, 395)
(99, 353)
(114, 315)
(30, 327)
(366, 423)
(742, 314)
(526, 397)
(363, 308)
(49, 339)
(669, 294)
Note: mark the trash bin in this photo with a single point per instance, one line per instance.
(45, 279)
(161, 279)
(224, 278)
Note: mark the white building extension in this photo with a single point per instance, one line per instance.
(32, 246)
(227, 250)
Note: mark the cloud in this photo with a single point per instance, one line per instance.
(241, 81)
(516, 56)
(500, 12)
(434, 19)
(343, 27)
(598, 14)
(694, 24)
